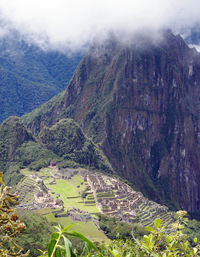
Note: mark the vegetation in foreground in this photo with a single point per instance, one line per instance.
(158, 242)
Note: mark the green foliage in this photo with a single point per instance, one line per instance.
(162, 243)
(192, 229)
(37, 232)
(158, 242)
(33, 155)
(63, 138)
(30, 76)
(12, 135)
(115, 229)
(68, 164)
(19, 149)
(67, 140)
(60, 245)
(13, 176)
(44, 111)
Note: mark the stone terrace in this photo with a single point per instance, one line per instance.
(115, 198)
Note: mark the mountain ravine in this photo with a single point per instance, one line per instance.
(141, 103)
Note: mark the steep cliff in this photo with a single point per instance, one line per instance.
(141, 103)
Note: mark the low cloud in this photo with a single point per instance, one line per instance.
(75, 23)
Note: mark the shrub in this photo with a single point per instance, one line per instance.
(10, 226)
(157, 243)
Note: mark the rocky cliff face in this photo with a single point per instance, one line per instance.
(141, 103)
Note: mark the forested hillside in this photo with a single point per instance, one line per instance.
(30, 76)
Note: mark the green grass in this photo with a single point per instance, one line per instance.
(66, 189)
(26, 172)
(45, 172)
(86, 228)
(43, 211)
(77, 179)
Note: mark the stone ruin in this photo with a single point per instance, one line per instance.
(39, 195)
(76, 214)
(115, 198)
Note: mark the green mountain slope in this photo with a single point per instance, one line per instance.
(12, 135)
(64, 143)
(30, 76)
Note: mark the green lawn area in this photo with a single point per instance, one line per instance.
(43, 172)
(66, 189)
(26, 172)
(88, 229)
(77, 179)
(43, 211)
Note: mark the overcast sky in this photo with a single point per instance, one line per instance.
(75, 22)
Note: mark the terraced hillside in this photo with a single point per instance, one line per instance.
(69, 195)
(114, 197)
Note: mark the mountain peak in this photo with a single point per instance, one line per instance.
(140, 103)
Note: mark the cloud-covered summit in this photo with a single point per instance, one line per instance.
(75, 23)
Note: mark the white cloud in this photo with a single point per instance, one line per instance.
(75, 22)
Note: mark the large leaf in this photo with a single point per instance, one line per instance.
(58, 253)
(157, 223)
(68, 246)
(80, 236)
(66, 228)
(1, 178)
(149, 229)
(53, 240)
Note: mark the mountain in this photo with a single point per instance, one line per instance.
(62, 175)
(30, 76)
(64, 143)
(140, 103)
(193, 35)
